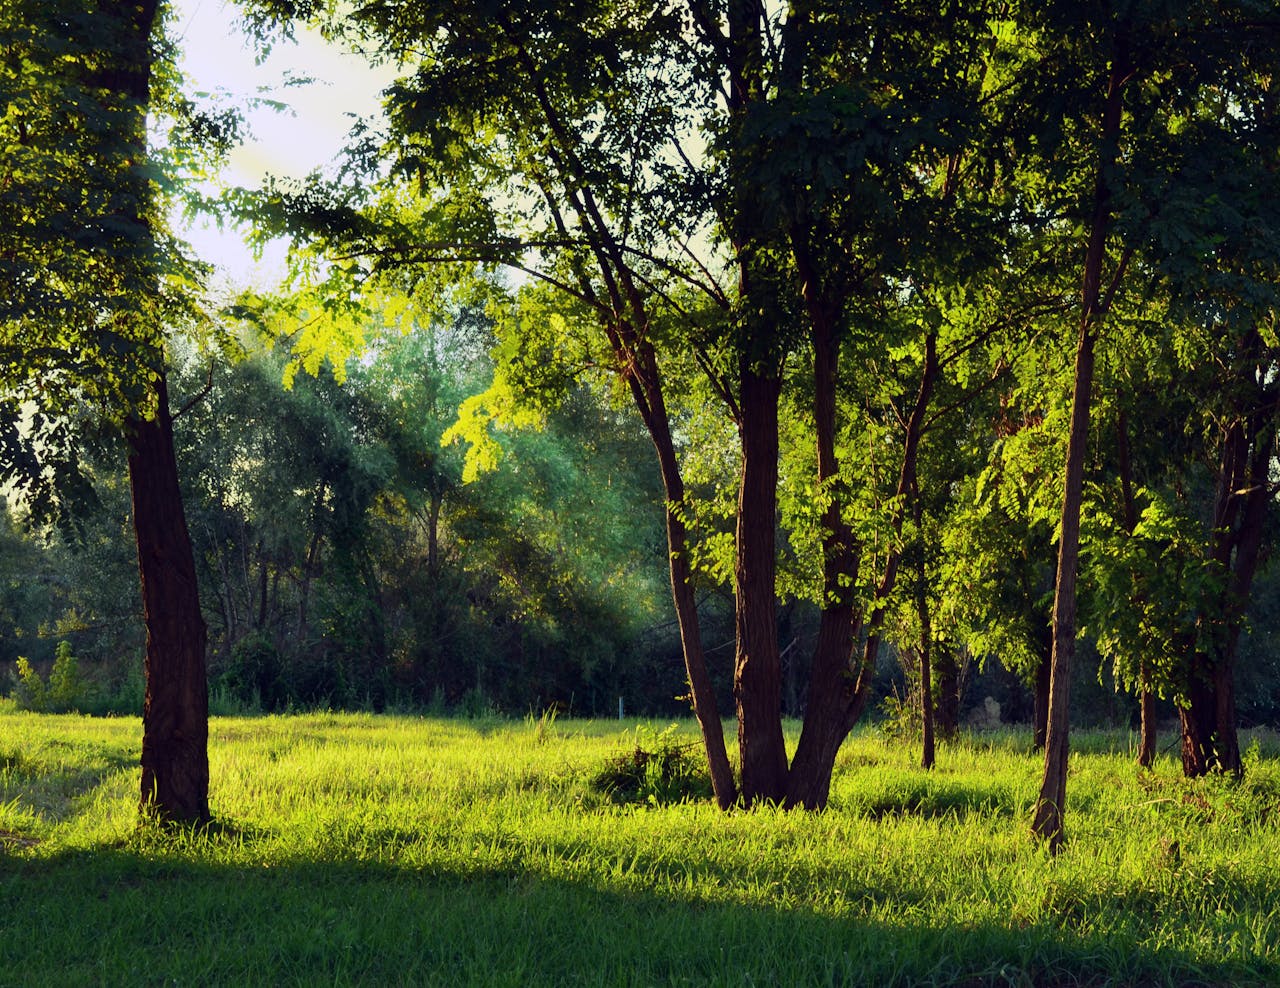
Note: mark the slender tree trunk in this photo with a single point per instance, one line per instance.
(1051, 805)
(1148, 738)
(947, 717)
(1147, 700)
(1040, 700)
(926, 699)
(175, 762)
(263, 567)
(682, 591)
(1047, 819)
(308, 569)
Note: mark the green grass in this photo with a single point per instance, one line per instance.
(355, 849)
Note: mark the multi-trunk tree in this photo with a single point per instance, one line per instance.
(733, 190)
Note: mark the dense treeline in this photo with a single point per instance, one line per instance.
(343, 563)
(939, 333)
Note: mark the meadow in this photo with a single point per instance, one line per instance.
(357, 849)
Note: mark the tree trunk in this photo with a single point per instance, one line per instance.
(947, 709)
(1147, 699)
(1051, 804)
(926, 703)
(175, 762)
(757, 682)
(838, 691)
(1040, 702)
(832, 685)
(1148, 738)
(1047, 819)
(1210, 741)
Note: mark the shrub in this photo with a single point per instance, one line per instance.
(65, 691)
(29, 690)
(658, 769)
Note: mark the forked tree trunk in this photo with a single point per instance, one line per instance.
(838, 689)
(1210, 741)
(175, 762)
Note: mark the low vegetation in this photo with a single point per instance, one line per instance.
(383, 850)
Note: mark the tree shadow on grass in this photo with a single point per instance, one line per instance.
(130, 916)
(38, 784)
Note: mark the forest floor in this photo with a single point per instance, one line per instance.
(358, 849)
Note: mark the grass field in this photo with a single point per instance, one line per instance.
(353, 849)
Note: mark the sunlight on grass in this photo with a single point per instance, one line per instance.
(355, 848)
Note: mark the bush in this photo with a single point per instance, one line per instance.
(65, 691)
(659, 769)
(29, 690)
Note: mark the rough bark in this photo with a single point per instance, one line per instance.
(175, 763)
(757, 682)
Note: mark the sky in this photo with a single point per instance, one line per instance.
(216, 58)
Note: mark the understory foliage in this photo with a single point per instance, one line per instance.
(343, 563)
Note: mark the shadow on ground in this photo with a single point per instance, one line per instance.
(132, 916)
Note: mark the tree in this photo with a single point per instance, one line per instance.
(559, 142)
(90, 286)
(1136, 77)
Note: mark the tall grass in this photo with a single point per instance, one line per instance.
(353, 849)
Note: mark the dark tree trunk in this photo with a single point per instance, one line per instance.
(1047, 819)
(1040, 704)
(175, 762)
(680, 572)
(757, 681)
(947, 715)
(838, 691)
(1147, 699)
(1148, 738)
(1047, 822)
(926, 703)
(832, 686)
(1208, 719)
